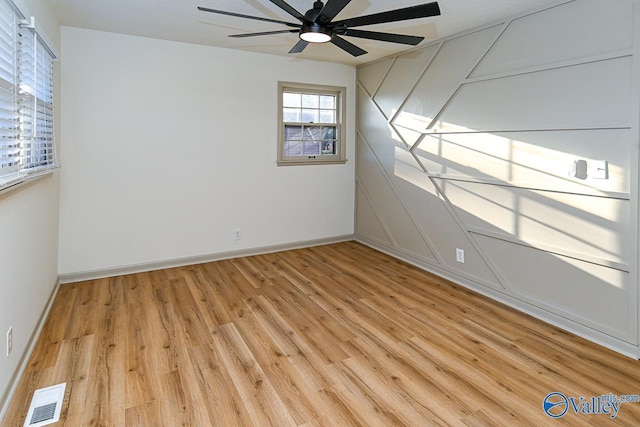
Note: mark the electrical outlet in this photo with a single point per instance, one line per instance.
(600, 169)
(237, 234)
(460, 255)
(9, 340)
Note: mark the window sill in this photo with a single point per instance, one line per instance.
(22, 181)
(310, 162)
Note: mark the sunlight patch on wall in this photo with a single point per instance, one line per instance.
(565, 223)
(407, 168)
(539, 160)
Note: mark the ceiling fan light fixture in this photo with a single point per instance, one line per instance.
(315, 34)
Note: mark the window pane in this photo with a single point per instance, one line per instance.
(328, 102)
(310, 116)
(314, 132)
(292, 132)
(310, 101)
(291, 115)
(291, 99)
(311, 148)
(328, 148)
(293, 148)
(329, 132)
(327, 116)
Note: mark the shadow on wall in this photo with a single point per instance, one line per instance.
(552, 240)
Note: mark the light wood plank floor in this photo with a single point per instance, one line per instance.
(336, 335)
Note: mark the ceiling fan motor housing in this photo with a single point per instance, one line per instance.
(312, 14)
(313, 31)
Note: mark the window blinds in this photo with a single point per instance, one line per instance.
(9, 123)
(35, 102)
(26, 99)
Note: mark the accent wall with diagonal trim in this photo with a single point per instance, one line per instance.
(517, 143)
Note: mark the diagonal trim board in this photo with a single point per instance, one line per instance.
(483, 41)
(368, 219)
(373, 75)
(467, 90)
(442, 79)
(402, 77)
(397, 163)
(405, 233)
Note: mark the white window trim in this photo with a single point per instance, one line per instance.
(340, 157)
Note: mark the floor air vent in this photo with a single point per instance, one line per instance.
(46, 406)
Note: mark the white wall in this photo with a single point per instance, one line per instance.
(28, 243)
(169, 147)
(467, 143)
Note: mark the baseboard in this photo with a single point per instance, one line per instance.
(546, 316)
(200, 259)
(5, 401)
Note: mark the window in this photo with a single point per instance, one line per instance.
(26, 100)
(311, 124)
(9, 123)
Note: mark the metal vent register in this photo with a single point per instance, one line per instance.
(46, 406)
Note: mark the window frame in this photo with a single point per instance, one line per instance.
(32, 104)
(340, 150)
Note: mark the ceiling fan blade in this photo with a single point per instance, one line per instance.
(299, 47)
(264, 33)
(330, 10)
(347, 46)
(290, 10)
(385, 37)
(413, 12)
(239, 15)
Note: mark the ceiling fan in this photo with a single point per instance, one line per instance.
(317, 25)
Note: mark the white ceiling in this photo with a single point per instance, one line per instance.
(179, 20)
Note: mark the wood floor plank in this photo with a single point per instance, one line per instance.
(363, 395)
(262, 402)
(309, 364)
(148, 414)
(74, 368)
(250, 272)
(232, 297)
(381, 380)
(223, 402)
(336, 335)
(52, 333)
(315, 333)
(420, 392)
(286, 381)
(265, 264)
(204, 288)
(106, 384)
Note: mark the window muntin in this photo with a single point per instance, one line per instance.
(311, 124)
